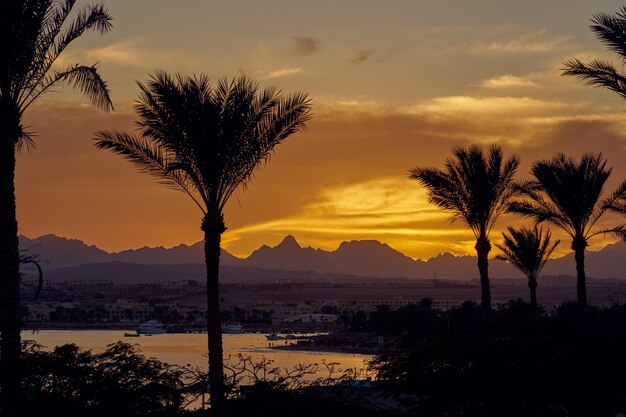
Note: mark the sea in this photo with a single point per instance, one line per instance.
(191, 349)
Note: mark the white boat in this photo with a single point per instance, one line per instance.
(152, 327)
(232, 328)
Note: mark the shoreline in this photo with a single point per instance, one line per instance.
(329, 349)
(124, 327)
(79, 326)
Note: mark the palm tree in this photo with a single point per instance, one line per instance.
(611, 30)
(34, 34)
(475, 188)
(568, 194)
(527, 250)
(206, 140)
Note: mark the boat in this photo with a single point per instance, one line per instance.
(126, 334)
(275, 336)
(152, 327)
(232, 328)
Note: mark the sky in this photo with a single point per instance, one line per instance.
(394, 85)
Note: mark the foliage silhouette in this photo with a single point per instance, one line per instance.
(33, 259)
(475, 187)
(619, 206)
(263, 389)
(569, 194)
(69, 381)
(34, 34)
(611, 31)
(271, 403)
(527, 250)
(206, 140)
(522, 363)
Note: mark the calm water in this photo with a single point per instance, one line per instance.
(183, 349)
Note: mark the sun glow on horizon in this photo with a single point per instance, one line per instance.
(393, 87)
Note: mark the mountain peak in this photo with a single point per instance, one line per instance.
(363, 243)
(289, 242)
(369, 246)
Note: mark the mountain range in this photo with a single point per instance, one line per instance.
(70, 259)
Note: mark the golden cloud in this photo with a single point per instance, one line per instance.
(488, 106)
(523, 44)
(345, 179)
(392, 210)
(284, 72)
(508, 81)
(125, 52)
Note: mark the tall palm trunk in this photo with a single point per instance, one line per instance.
(578, 245)
(212, 238)
(532, 285)
(483, 247)
(10, 320)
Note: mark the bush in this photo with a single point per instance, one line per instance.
(120, 382)
(521, 363)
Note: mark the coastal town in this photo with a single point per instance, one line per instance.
(269, 306)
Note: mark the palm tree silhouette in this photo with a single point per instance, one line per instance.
(611, 30)
(568, 194)
(206, 140)
(34, 34)
(475, 188)
(527, 250)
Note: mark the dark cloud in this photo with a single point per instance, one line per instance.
(363, 56)
(305, 45)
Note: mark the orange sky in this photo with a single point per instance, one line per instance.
(394, 85)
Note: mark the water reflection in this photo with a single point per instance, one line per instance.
(191, 349)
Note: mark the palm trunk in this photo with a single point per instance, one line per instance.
(10, 320)
(212, 239)
(483, 247)
(532, 285)
(578, 245)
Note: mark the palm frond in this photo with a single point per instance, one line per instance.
(617, 201)
(40, 30)
(568, 194)
(259, 121)
(442, 190)
(474, 187)
(527, 187)
(618, 231)
(597, 73)
(542, 211)
(611, 30)
(88, 81)
(149, 157)
(528, 250)
(91, 17)
(26, 141)
(205, 138)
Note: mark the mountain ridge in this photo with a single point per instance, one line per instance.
(357, 257)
